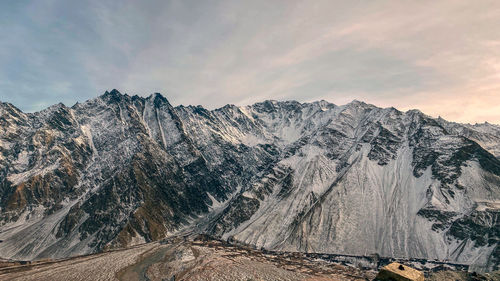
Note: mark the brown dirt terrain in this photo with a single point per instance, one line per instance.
(182, 260)
(197, 260)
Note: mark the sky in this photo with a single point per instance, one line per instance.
(442, 57)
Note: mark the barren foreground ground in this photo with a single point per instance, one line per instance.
(183, 260)
(197, 260)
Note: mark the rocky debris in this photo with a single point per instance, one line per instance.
(398, 272)
(463, 276)
(184, 259)
(195, 257)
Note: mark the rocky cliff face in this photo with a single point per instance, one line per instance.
(120, 170)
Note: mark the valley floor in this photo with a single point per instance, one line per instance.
(194, 258)
(180, 259)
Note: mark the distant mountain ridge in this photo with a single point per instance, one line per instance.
(119, 170)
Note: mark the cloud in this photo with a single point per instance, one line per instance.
(439, 56)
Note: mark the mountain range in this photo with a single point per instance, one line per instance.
(120, 170)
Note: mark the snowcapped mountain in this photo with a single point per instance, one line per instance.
(119, 170)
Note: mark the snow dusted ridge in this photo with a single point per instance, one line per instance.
(120, 170)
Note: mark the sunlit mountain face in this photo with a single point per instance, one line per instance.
(121, 170)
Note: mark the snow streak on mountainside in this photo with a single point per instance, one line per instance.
(120, 170)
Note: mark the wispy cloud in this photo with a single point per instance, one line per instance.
(442, 57)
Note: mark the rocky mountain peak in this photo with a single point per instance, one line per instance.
(118, 170)
(8, 108)
(113, 93)
(159, 100)
(113, 96)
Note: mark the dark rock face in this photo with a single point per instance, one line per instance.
(120, 170)
(442, 220)
(481, 227)
(384, 145)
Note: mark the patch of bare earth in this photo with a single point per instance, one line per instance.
(186, 260)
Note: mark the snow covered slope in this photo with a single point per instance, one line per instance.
(119, 170)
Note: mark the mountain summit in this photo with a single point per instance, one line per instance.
(357, 179)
